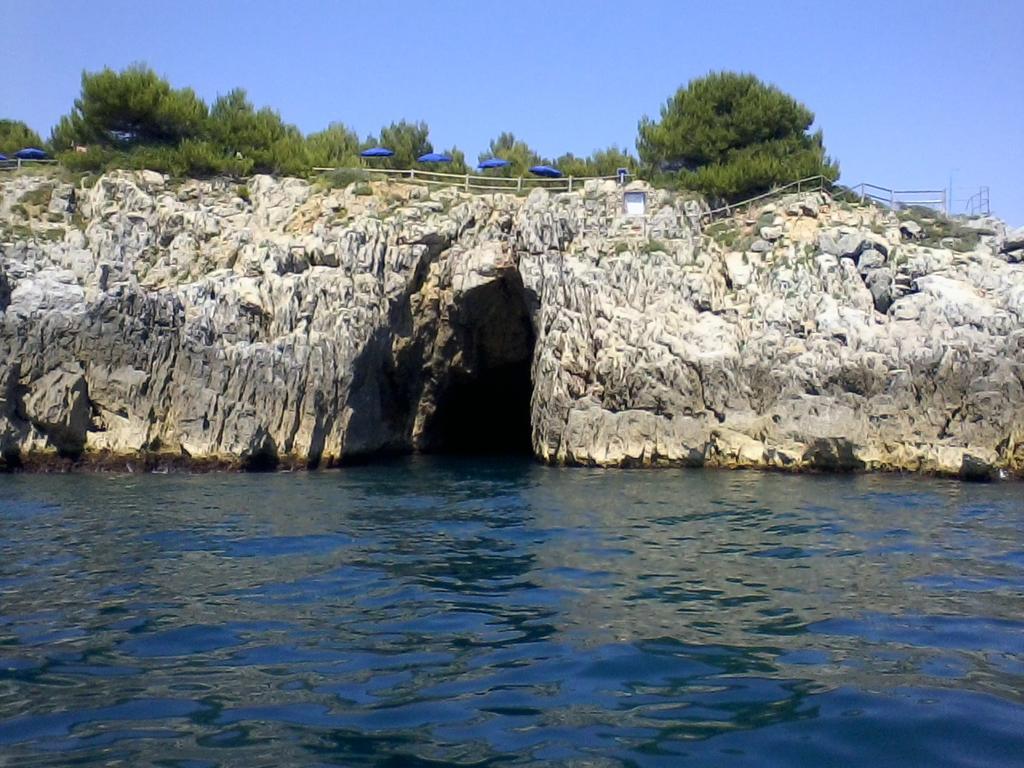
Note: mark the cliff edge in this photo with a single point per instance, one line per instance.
(151, 322)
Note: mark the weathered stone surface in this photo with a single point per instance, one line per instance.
(309, 325)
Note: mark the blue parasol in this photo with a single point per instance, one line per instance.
(547, 171)
(377, 152)
(494, 162)
(30, 153)
(433, 157)
(3, 158)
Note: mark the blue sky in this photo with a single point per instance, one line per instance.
(908, 93)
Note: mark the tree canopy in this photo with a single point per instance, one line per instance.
(519, 154)
(406, 139)
(601, 162)
(335, 147)
(730, 135)
(727, 135)
(133, 107)
(264, 142)
(15, 135)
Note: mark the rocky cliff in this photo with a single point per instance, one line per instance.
(149, 322)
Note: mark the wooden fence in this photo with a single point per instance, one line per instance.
(472, 182)
(13, 163)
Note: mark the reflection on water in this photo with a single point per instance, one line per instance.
(476, 613)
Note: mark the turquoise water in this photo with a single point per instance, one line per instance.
(456, 612)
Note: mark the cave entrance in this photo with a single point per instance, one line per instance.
(482, 404)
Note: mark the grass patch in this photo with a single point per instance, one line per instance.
(38, 196)
(242, 190)
(653, 246)
(725, 233)
(939, 231)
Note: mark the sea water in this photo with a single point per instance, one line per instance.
(433, 612)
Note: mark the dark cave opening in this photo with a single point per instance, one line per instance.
(486, 413)
(483, 404)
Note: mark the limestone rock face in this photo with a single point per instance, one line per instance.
(306, 325)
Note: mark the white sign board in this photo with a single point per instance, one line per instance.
(636, 203)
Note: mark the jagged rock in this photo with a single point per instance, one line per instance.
(880, 283)
(57, 403)
(738, 268)
(911, 230)
(870, 259)
(307, 326)
(1013, 244)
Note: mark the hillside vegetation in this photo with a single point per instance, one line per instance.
(725, 135)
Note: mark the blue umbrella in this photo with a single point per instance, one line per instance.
(377, 152)
(494, 162)
(30, 153)
(546, 171)
(433, 157)
(3, 158)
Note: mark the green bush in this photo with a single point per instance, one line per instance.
(342, 177)
(96, 160)
(731, 136)
(335, 147)
(15, 135)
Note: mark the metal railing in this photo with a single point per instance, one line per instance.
(810, 184)
(900, 198)
(472, 182)
(978, 204)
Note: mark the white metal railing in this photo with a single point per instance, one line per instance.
(897, 198)
(472, 182)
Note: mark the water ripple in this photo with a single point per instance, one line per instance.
(457, 613)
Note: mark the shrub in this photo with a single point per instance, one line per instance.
(342, 177)
(96, 160)
(335, 147)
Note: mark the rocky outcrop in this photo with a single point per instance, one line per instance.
(156, 322)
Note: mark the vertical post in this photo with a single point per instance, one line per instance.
(467, 182)
(570, 183)
(19, 163)
(798, 187)
(519, 184)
